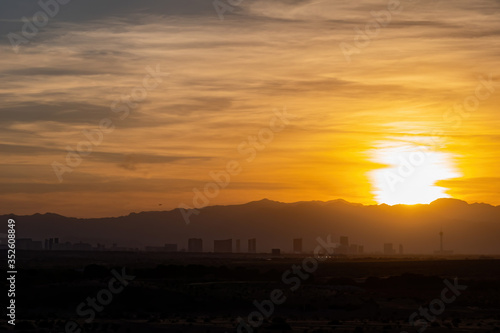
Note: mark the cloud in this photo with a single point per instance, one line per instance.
(65, 112)
(226, 79)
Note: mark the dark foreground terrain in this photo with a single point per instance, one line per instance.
(155, 292)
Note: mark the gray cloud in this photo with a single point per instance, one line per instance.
(125, 160)
(65, 112)
(47, 71)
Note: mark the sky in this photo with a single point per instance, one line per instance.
(111, 107)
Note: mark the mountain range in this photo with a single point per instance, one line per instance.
(468, 228)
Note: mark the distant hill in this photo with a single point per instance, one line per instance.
(468, 228)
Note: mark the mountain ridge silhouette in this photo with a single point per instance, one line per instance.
(468, 228)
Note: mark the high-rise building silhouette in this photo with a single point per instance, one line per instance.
(252, 245)
(297, 245)
(344, 245)
(400, 248)
(223, 246)
(238, 246)
(51, 243)
(195, 245)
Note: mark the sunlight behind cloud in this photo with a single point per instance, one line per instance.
(411, 173)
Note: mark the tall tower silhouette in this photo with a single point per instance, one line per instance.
(441, 250)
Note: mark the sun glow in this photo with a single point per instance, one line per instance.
(411, 173)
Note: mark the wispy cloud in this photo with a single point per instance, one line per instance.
(226, 77)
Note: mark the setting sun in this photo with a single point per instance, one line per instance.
(411, 173)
